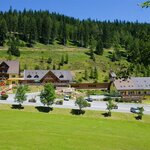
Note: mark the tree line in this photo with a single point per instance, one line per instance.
(45, 27)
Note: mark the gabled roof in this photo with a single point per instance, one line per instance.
(62, 75)
(133, 83)
(13, 66)
(32, 74)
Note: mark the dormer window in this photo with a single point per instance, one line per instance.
(29, 76)
(61, 76)
(36, 76)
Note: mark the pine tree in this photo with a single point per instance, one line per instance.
(91, 73)
(46, 29)
(54, 67)
(99, 48)
(92, 55)
(37, 67)
(13, 48)
(3, 31)
(53, 32)
(66, 59)
(49, 60)
(25, 67)
(95, 73)
(85, 75)
(62, 60)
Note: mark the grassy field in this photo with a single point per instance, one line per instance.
(78, 59)
(60, 130)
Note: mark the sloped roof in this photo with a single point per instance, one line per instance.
(13, 66)
(62, 75)
(133, 83)
(33, 73)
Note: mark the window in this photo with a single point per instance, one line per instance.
(61, 76)
(29, 76)
(36, 76)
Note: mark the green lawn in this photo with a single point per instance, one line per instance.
(59, 130)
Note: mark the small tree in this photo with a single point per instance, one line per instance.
(37, 67)
(91, 73)
(20, 96)
(13, 47)
(54, 66)
(62, 60)
(92, 55)
(81, 103)
(85, 75)
(99, 48)
(66, 59)
(25, 67)
(109, 106)
(140, 113)
(95, 73)
(47, 95)
(49, 60)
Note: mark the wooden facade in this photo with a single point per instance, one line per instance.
(102, 86)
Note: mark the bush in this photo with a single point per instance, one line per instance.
(4, 97)
(119, 100)
(107, 98)
(59, 102)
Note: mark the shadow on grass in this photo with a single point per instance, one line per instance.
(44, 109)
(77, 112)
(17, 106)
(138, 117)
(106, 114)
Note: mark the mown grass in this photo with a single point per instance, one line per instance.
(78, 59)
(60, 130)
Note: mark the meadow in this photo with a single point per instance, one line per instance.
(79, 60)
(60, 130)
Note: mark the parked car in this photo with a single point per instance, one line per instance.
(134, 110)
(32, 100)
(115, 106)
(89, 99)
(66, 98)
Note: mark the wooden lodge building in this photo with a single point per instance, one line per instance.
(57, 77)
(9, 72)
(134, 86)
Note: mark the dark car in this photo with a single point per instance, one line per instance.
(134, 110)
(89, 99)
(115, 106)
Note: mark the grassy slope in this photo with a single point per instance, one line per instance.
(59, 130)
(78, 59)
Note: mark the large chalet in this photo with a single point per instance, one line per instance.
(133, 86)
(57, 77)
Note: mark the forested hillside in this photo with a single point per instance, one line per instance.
(129, 41)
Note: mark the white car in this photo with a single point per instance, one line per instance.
(66, 97)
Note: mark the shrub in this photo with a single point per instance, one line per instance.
(107, 98)
(4, 97)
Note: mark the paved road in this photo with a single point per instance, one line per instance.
(95, 105)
